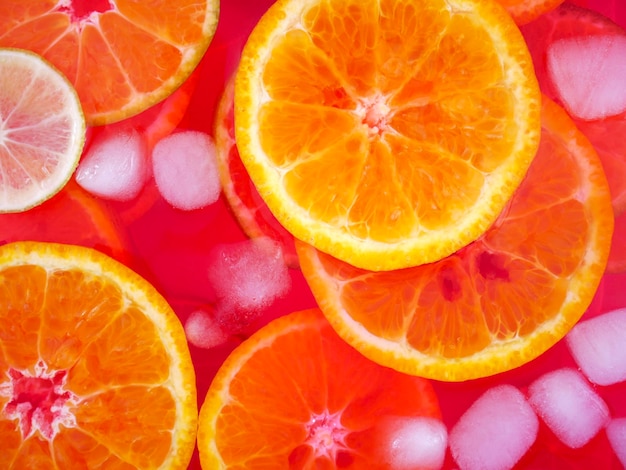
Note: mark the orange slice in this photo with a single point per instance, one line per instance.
(94, 364)
(73, 216)
(42, 130)
(122, 56)
(386, 133)
(294, 395)
(617, 257)
(525, 11)
(252, 214)
(499, 302)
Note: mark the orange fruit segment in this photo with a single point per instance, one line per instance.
(122, 56)
(525, 11)
(252, 214)
(42, 130)
(94, 364)
(502, 300)
(72, 216)
(294, 395)
(386, 133)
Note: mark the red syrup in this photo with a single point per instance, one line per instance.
(171, 249)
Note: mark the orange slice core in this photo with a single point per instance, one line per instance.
(38, 401)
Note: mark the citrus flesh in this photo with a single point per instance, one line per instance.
(42, 130)
(122, 56)
(71, 216)
(252, 214)
(386, 133)
(294, 395)
(95, 366)
(502, 300)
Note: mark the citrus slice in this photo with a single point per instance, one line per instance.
(617, 257)
(294, 395)
(94, 364)
(386, 133)
(525, 11)
(42, 130)
(502, 300)
(252, 214)
(72, 216)
(570, 21)
(122, 56)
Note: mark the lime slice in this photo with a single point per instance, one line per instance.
(42, 130)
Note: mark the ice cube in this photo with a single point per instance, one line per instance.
(589, 74)
(185, 170)
(412, 442)
(115, 165)
(569, 406)
(247, 277)
(203, 331)
(616, 432)
(495, 432)
(597, 346)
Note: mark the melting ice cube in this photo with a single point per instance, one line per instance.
(115, 165)
(616, 432)
(495, 432)
(185, 170)
(597, 346)
(412, 442)
(589, 74)
(203, 331)
(569, 406)
(247, 277)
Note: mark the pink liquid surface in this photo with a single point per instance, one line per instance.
(171, 249)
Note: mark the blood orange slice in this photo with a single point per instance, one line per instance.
(294, 395)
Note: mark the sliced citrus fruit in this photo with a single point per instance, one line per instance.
(94, 364)
(252, 214)
(294, 395)
(386, 133)
(502, 300)
(617, 257)
(570, 21)
(72, 216)
(42, 130)
(525, 11)
(122, 56)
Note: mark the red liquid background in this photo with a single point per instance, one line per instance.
(170, 248)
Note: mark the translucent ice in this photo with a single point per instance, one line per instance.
(185, 170)
(589, 74)
(597, 346)
(413, 442)
(203, 331)
(495, 432)
(569, 406)
(248, 276)
(115, 165)
(616, 432)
